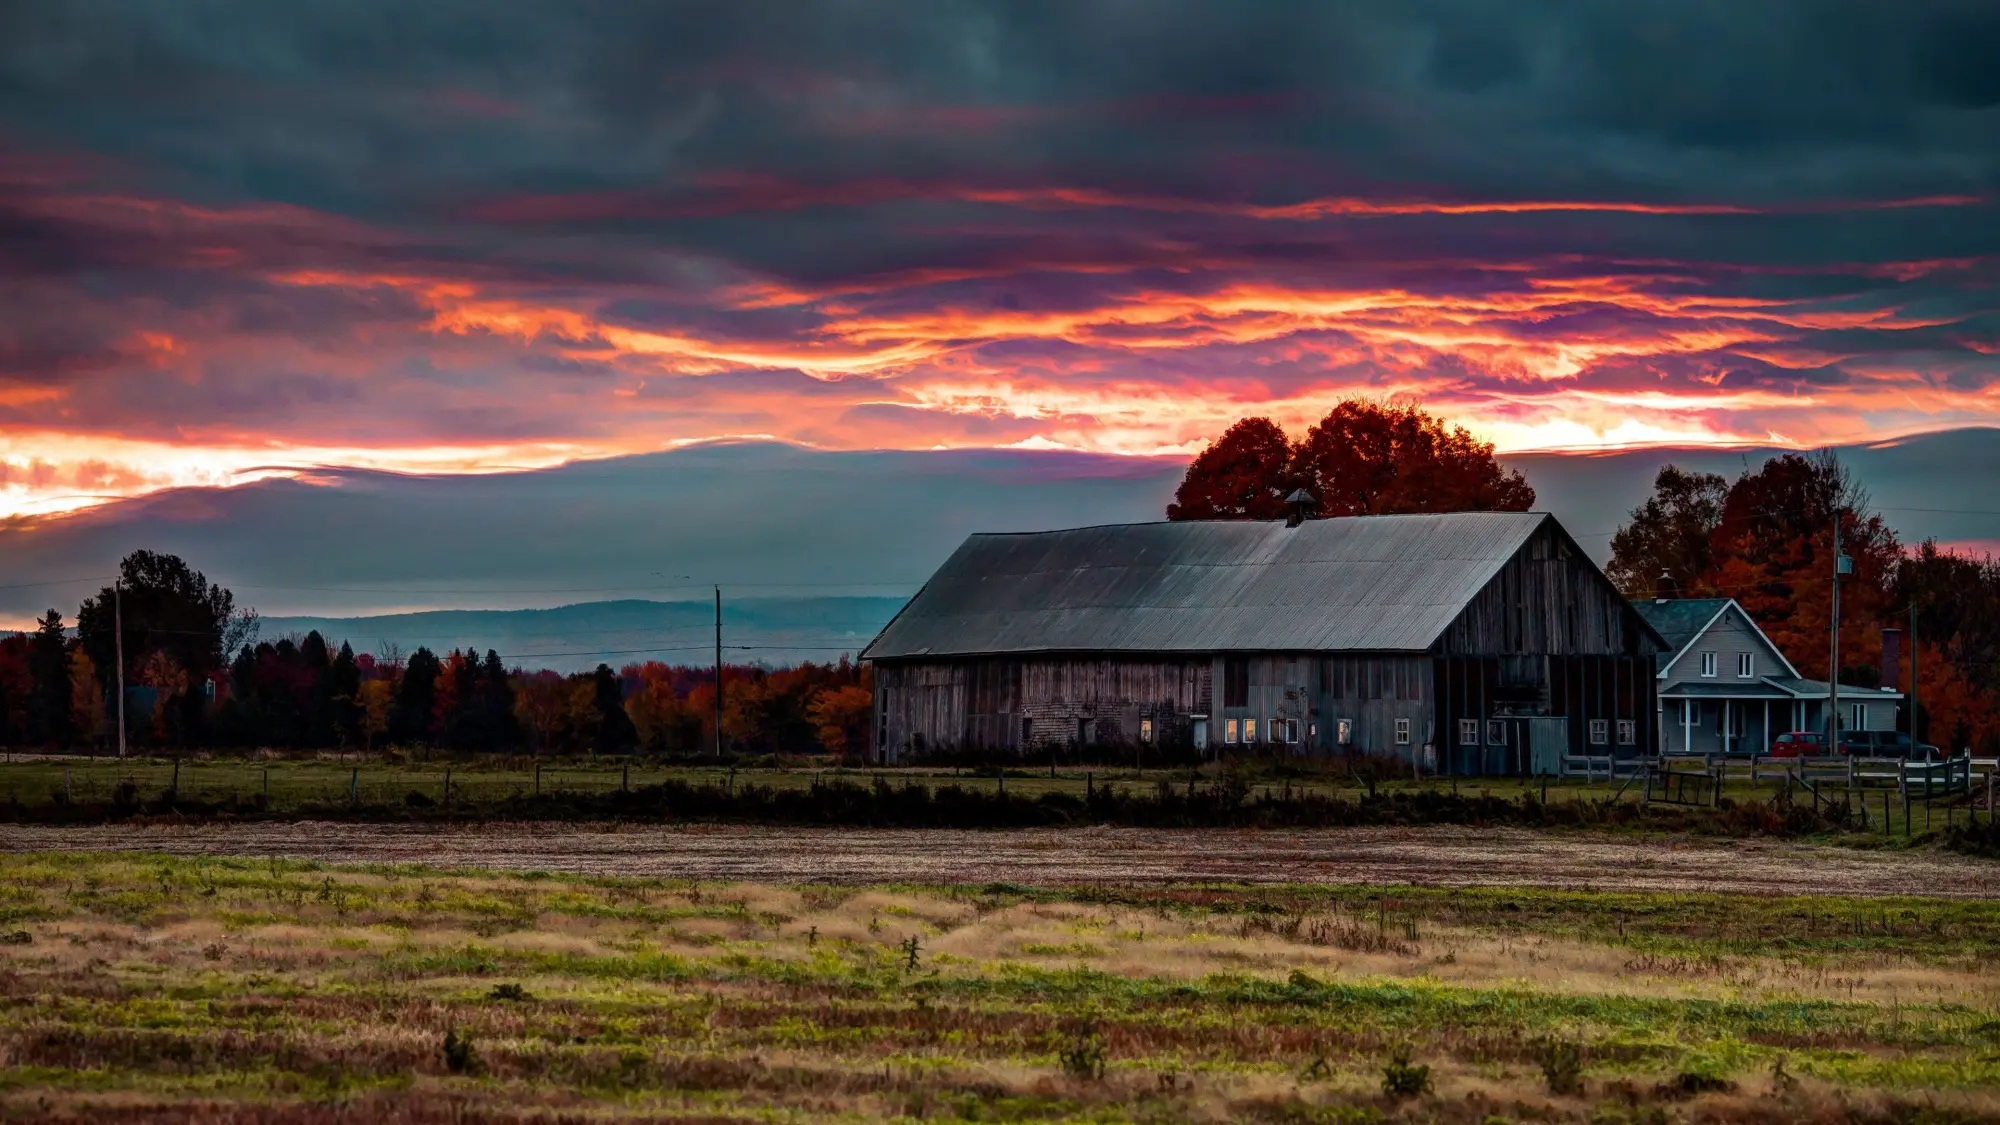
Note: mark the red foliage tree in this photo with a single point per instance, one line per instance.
(1365, 459)
(1361, 459)
(1243, 476)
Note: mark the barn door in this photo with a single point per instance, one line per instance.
(1548, 741)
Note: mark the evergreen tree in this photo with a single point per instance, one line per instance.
(344, 696)
(413, 717)
(615, 732)
(50, 719)
(314, 685)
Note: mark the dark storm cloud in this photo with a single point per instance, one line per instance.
(602, 226)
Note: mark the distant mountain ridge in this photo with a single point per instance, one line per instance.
(573, 638)
(777, 519)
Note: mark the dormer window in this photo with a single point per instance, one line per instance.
(1708, 664)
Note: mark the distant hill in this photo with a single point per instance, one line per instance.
(572, 638)
(774, 519)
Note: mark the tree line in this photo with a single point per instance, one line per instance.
(198, 677)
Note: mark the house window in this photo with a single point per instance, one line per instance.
(1235, 682)
(1145, 730)
(1249, 730)
(1343, 731)
(1857, 716)
(1402, 731)
(1600, 732)
(1229, 732)
(1468, 732)
(1628, 732)
(1708, 664)
(1746, 665)
(1496, 732)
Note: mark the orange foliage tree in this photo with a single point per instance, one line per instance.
(1363, 458)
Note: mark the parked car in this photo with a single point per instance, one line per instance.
(1886, 744)
(1798, 744)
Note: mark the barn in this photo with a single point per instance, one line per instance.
(1472, 643)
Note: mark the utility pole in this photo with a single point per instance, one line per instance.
(118, 632)
(718, 673)
(1833, 665)
(1914, 740)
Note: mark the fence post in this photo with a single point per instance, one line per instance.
(447, 786)
(538, 778)
(354, 788)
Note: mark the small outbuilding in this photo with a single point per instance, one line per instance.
(1472, 643)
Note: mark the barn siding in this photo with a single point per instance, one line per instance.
(1548, 636)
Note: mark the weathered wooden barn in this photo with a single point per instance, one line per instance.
(1472, 643)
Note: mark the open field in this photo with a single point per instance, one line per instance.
(205, 989)
(1434, 856)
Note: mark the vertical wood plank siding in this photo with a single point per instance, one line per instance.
(1547, 637)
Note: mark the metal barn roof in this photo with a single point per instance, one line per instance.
(1360, 583)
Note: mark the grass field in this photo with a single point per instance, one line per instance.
(82, 789)
(148, 988)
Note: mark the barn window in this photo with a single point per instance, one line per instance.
(1086, 732)
(1344, 731)
(1249, 730)
(1496, 732)
(1285, 730)
(1027, 731)
(1145, 730)
(1229, 732)
(1746, 665)
(1468, 732)
(1402, 731)
(1600, 732)
(1708, 664)
(1628, 732)
(1235, 682)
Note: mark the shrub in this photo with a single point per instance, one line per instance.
(1562, 1065)
(1403, 1079)
(509, 991)
(460, 1057)
(1083, 1056)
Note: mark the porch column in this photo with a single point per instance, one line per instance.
(1767, 726)
(1687, 726)
(1725, 726)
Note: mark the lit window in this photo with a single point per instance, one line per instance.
(1468, 732)
(1402, 731)
(1708, 664)
(1145, 730)
(1229, 731)
(1628, 732)
(1600, 732)
(1746, 664)
(1343, 731)
(1496, 733)
(1249, 730)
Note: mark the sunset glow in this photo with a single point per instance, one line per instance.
(858, 253)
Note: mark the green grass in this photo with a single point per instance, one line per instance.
(176, 983)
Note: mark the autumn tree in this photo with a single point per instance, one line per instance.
(1366, 459)
(1670, 533)
(86, 697)
(1241, 476)
(840, 717)
(1363, 458)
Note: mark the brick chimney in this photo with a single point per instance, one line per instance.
(1892, 658)
(1663, 587)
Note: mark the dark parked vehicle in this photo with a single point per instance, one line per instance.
(1886, 744)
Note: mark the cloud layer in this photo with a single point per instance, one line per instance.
(238, 239)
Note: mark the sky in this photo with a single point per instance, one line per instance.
(246, 240)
